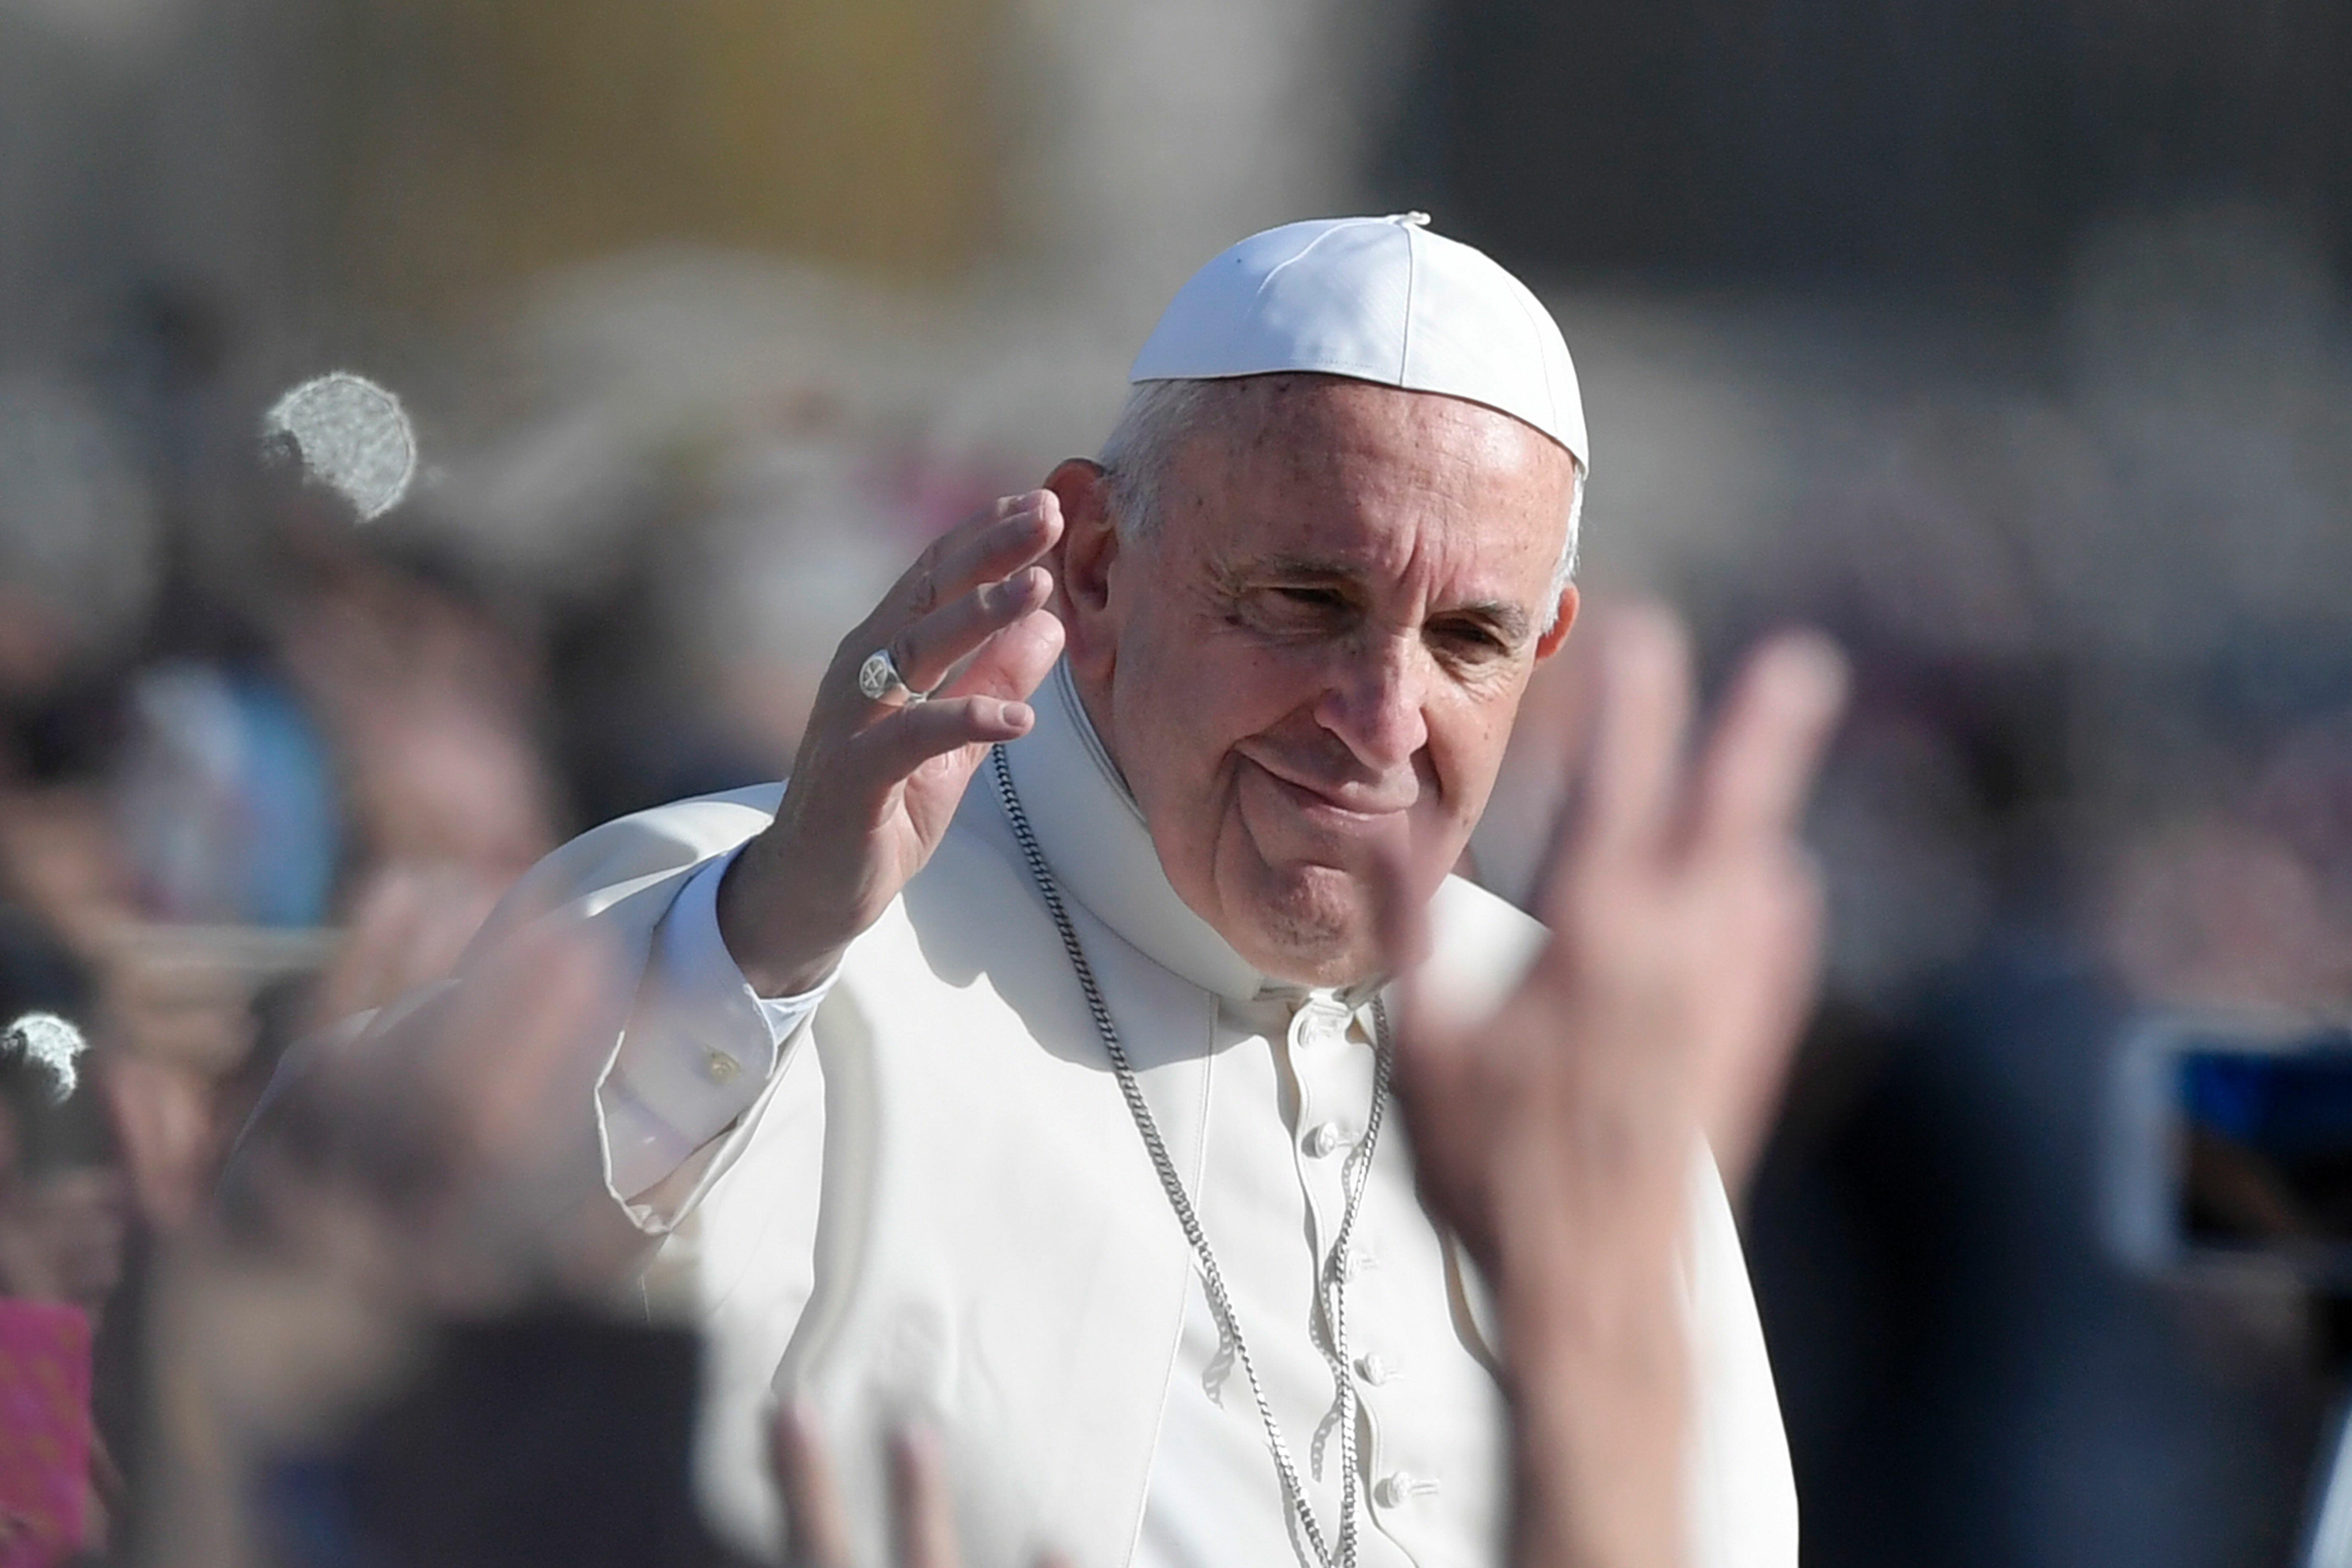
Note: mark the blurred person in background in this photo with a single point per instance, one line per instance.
(65, 1207)
(81, 563)
(1973, 1373)
(66, 1199)
(214, 742)
(854, 1009)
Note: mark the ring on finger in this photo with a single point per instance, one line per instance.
(879, 680)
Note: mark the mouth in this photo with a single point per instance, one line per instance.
(1350, 809)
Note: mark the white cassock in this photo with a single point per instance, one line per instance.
(921, 1194)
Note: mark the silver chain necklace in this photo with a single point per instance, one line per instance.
(1332, 1281)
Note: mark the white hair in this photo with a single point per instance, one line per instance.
(1160, 416)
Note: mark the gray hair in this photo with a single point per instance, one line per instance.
(1160, 416)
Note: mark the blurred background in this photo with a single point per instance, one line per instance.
(2007, 338)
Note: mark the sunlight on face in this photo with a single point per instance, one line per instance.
(1321, 646)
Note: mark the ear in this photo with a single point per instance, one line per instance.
(1082, 560)
(1548, 644)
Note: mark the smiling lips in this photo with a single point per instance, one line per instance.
(1347, 808)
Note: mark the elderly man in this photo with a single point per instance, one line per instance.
(1022, 1065)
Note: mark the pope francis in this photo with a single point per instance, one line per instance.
(1022, 1065)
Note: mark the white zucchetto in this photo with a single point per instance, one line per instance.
(1374, 298)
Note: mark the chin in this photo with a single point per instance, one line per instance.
(1312, 926)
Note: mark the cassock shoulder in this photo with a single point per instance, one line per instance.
(1480, 946)
(631, 849)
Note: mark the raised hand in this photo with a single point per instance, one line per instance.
(817, 1533)
(1559, 1137)
(442, 1163)
(877, 779)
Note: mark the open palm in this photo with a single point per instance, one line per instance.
(877, 780)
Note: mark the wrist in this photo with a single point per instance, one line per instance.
(777, 956)
(1599, 1388)
(1613, 1330)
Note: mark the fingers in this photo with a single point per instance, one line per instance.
(1760, 765)
(1741, 1082)
(919, 1488)
(816, 1525)
(1427, 1051)
(1401, 920)
(931, 648)
(913, 736)
(816, 1522)
(384, 925)
(1644, 713)
(1011, 534)
(976, 587)
(410, 926)
(1014, 661)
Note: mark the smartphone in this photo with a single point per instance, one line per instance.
(2230, 1144)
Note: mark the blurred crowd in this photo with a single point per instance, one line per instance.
(264, 764)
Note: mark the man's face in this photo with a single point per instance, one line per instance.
(1320, 649)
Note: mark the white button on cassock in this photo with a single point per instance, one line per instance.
(1375, 1369)
(1397, 1489)
(1325, 1139)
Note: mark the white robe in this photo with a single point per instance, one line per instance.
(937, 1204)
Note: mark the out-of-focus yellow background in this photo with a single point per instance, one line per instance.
(505, 140)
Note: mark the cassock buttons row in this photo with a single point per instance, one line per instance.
(1317, 1024)
(1400, 1486)
(1326, 1139)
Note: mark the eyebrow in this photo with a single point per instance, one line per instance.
(1507, 620)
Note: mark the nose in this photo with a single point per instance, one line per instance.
(1374, 704)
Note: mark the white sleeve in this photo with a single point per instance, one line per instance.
(699, 1047)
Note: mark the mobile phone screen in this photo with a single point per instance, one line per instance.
(2268, 1156)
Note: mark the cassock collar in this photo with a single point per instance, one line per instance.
(1095, 843)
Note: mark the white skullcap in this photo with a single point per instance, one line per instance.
(1375, 298)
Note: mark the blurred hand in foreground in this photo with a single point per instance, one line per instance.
(433, 1165)
(816, 1525)
(877, 779)
(1559, 1137)
(429, 706)
(410, 924)
(442, 1149)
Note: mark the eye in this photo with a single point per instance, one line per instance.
(1308, 601)
(1468, 639)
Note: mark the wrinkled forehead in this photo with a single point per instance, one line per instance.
(1304, 413)
(1276, 448)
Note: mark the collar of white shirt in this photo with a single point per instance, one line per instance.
(1094, 842)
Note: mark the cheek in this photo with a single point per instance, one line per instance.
(1202, 688)
(1465, 746)
(1169, 742)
